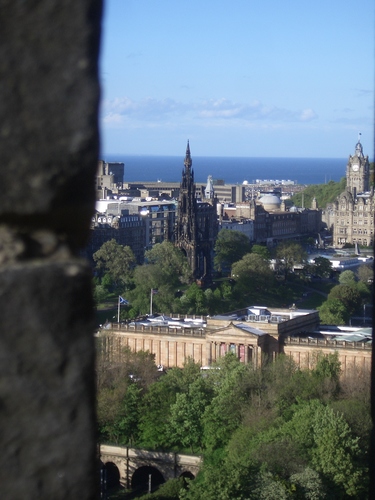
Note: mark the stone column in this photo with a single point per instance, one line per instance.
(208, 352)
(49, 151)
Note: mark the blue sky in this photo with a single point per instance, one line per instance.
(291, 78)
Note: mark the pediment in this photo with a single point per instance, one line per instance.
(235, 333)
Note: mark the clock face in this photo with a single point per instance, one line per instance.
(355, 167)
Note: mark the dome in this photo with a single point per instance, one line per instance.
(270, 202)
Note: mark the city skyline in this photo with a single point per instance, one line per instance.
(237, 79)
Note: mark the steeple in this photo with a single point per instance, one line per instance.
(188, 162)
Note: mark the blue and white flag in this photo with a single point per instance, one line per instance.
(123, 301)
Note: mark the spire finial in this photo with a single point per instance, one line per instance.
(358, 146)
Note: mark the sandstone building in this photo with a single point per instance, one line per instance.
(352, 214)
(255, 335)
(271, 221)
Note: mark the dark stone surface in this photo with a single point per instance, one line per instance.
(47, 422)
(49, 98)
(48, 148)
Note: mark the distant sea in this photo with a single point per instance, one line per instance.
(233, 170)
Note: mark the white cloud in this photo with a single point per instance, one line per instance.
(152, 111)
(307, 115)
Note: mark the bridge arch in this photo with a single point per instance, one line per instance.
(140, 477)
(187, 475)
(111, 475)
(132, 464)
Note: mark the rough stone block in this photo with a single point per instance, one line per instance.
(47, 421)
(49, 145)
(49, 102)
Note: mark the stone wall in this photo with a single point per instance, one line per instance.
(354, 356)
(171, 347)
(167, 344)
(49, 150)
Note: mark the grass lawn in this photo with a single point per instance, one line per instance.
(313, 301)
(323, 286)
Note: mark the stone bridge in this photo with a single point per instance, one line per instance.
(132, 467)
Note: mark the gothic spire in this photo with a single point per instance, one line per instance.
(188, 162)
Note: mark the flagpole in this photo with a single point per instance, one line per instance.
(118, 310)
(151, 303)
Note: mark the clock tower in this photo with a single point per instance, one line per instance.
(358, 171)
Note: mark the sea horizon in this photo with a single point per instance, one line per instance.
(231, 169)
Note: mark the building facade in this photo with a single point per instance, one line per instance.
(196, 223)
(352, 214)
(118, 224)
(159, 217)
(256, 336)
(271, 221)
(109, 178)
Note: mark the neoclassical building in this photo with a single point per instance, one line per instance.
(196, 223)
(254, 335)
(352, 214)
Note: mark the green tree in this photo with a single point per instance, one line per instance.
(347, 278)
(116, 406)
(118, 412)
(261, 250)
(171, 261)
(116, 260)
(127, 422)
(153, 422)
(157, 404)
(327, 366)
(324, 193)
(224, 414)
(288, 255)
(230, 247)
(253, 270)
(165, 269)
(323, 267)
(107, 281)
(328, 443)
(348, 295)
(171, 490)
(365, 273)
(100, 294)
(185, 421)
(252, 273)
(193, 301)
(227, 291)
(336, 450)
(308, 485)
(333, 312)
